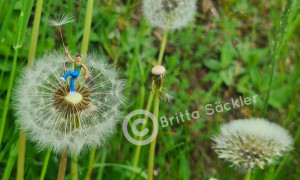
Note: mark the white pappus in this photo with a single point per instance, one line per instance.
(54, 119)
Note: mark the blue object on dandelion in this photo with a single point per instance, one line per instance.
(74, 75)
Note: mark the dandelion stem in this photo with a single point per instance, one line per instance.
(163, 47)
(45, 165)
(35, 32)
(138, 148)
(91, 164)
(84, 49)
(148, 107)
(62, 165)
(153, 143)
(74, 174)
(31, 55)
(21, 156)
(87, 29)
(156, 107)
(248, 175)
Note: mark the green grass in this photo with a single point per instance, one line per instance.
(249, 48)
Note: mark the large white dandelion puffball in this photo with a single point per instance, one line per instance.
(53, 118)
(169, 14)
(250, 143)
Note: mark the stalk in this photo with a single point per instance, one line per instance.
(248, 175)
(156, 107)
(87, 29)
(84, 49)
(163, 47)
(21, 156)
(153, 143)
(138, 148)
(35, 32)
(45, 165)
(18, 41)
(91, 164)
(276, 49)
(6, 103)
(62, 165)
(148, 107)
(31, 55)
(74, 173)
(101, 168)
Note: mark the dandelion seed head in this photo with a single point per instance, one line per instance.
(169, 14)
(54, 119)
(59, 21)
(251, 143)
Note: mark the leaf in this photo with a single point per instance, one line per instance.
(212, 64)
(227, 55)
(226, 76)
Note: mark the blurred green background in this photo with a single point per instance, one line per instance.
(228, 51)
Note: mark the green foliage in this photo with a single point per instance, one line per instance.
(222, 55)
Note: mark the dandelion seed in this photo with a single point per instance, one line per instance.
(168, 97)
(251, 143)
(61, 20)
(53, 118)
(169, 14)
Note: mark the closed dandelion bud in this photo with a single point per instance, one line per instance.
(251, 143)
(158, 70)
(54, 118)
(169, 14)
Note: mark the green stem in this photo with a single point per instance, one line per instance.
(276, 49)
(153, 143)
(162, 48)
(248, 175)
(7, 99)
(138, 148)
(6, 175)
(45, 165)
(74, 173)
(21, 156)
(101, 168)
(35, 32)
(91, 164)
(156, 107)
(31, 55)
(87, 29)
(84, 49)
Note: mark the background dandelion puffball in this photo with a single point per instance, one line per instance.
(53, 119)
(251, 143)
(169, 14)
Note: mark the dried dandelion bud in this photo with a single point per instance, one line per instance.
(251, 143)
(169, 14)
(158, 70)
(53, 118)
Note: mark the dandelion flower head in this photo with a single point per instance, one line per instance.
(169, 14)
(53, 118)
(251, 143)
